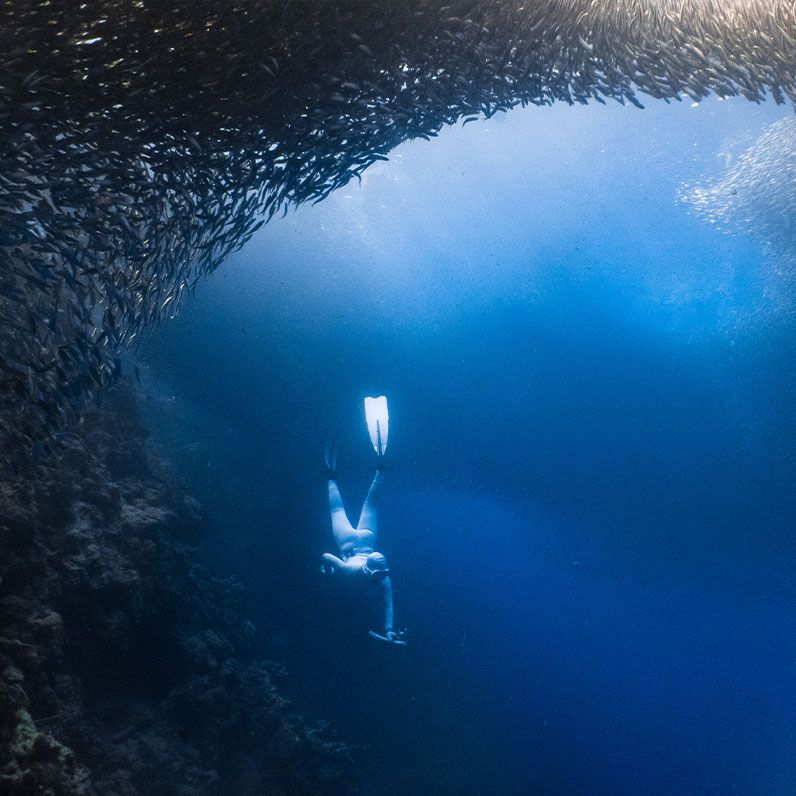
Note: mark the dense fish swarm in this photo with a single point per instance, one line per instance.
(142, 141)
(757, 196)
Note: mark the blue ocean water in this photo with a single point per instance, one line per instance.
(589, 510)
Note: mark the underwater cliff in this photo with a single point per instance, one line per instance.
(126, 666)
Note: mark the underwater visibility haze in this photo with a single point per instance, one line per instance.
(581, 315)
(588, 506)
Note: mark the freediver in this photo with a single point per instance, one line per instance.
(357, 546)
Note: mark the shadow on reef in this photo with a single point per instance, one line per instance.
(125, 665)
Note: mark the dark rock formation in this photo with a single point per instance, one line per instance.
(124, 664)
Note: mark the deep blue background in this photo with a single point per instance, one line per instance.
(590, 508)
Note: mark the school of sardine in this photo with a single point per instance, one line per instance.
(142, 142)
(757, 197)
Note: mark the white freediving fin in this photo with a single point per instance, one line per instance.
(378, 420)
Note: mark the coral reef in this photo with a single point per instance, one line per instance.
(125, 666)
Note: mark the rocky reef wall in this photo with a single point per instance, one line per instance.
(125, 666)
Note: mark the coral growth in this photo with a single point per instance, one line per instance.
(124, 664)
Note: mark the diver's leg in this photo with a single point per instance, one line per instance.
(341, 527)
(369, 515)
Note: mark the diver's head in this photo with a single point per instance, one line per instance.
(375, 565)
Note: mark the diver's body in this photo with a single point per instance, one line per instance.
(358, 554)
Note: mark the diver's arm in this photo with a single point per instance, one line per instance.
(390, 634)
(331, 564)
(388, 608)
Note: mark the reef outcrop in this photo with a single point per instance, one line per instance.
(125, 666)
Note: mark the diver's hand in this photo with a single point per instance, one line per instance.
(390, 637)
(331, 564)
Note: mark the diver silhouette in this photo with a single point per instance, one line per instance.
(357, 546)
